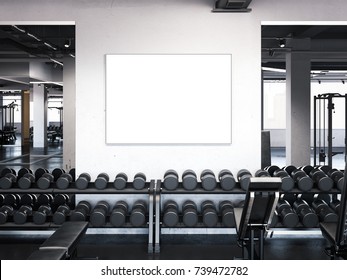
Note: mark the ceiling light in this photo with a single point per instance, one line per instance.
(281, 43)
(67, 43)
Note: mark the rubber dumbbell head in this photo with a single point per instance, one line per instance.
(138, 213)
(64, 181)
(101, 181)
(22, 172)
(5, 211)
(99, 214)
(170, 217)
(39, 172)
(226, 179)
(28, 199)
(26, 181)
(120, 182)
(335, 205)
(244, 177)
(189, 180)
(12, 200)
(6, 182)
(324, 212)
(337, 176)
(226, 209)
(306, 215)
(208, 180)
(170, 180)
(59, 216)
(190, 213)
(60, 199)
(81, 211)
(45, 181)
(307, 169)
(209, 213)
(83, 181)
(119, 214)
(287, 181)
(139, 181)
(271, 169)
(40, 216)
(288, 217)
(262, 173)
(45, 199)
(323, 182)
(289, 169)
(57, 172)
(7, 171)
(21, 215)
(72, 172)
(303, 182)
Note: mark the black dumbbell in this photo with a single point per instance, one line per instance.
(101, 181)
(82, 181)
(26, 181)
(44, 182)
(262, 173)
(40, 216)
(99, 214)
(170, 181)
(45, 199)
(209, 213)
(226, 210)
(170, 216)
(2, 198)
(287, 181)
(64, 181)
(287, 216)
(139, 181)
(324, 212)
(325, 168)
(306, 215)
(72, 172)
(138, 213)
(190, 213)
(307, 169)
(120, 182)
(337, 177)
(244, 177)
(57, 172)
(22, 172)
(60, 199)
(271, 169)
(39, 172)
(323, 182)
(335, 205)
(59, 216)
(119, 214)
(208, 180)
(289, 169)
(6, 171)
(81, 211)
(189, 180)
(302, 180)
(7, 180)
(226, 180)
(21, 215)
(28, 199)
(5, 211)
(12, 200)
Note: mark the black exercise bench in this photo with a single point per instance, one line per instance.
(253, 219)
(62, 243)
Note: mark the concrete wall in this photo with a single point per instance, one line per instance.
(157, 26)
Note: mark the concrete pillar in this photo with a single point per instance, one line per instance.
(25, 117)
(40, 116)
(69, 121)
(298, 91)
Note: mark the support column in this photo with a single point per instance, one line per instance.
(40, 116)
(298, 92)
(25, 117)
(69, 121)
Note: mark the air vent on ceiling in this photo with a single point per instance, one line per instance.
(232, 6)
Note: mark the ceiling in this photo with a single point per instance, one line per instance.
(325, 44)
(44, 43)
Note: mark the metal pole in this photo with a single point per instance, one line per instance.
(314, 132)
(345, 128)
(330, 130)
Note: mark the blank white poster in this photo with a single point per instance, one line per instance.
(168, 99)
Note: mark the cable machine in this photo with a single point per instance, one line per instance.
(8, 130)
(324, 108)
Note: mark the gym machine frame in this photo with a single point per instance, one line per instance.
(330, 107)
(8, 130)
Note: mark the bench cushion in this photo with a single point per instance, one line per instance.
(48, 254)
(329, 231)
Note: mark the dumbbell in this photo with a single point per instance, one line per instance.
(99, 214)
(289, 169)
(120, 182)
(5, 211)
(226, 209)
(44, 182)
(209, 213)
(271, 169)
(60, 199)
(189, 180)
(244, 177)
(287, 181)
(6, 171)
(262, 173)
(101, 181)
(7, 180)
(82, 181)
(302, 180)
(45, 199)
(286, 213)
(208, 180)
(138, 213)
(170, 181)
(21, 215)
(170, 216)
(39, 172)
(72, 172)
(306, 215)
(337, 176)
(307, 169)
(139, 181)
(335, 205)
(22, 172)
(64, 181)
(59, 216)
(226, 179)
(81, 211)
(26, 181)
(324, 168)
(57, 172)
(324, 212)
(119, 214)
(40, 216)
(12, 200)
(190, 213)
(323, 182)
(28, 199)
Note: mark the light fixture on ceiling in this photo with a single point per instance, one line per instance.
(67, 43)
(281, 42)
(232, 6)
